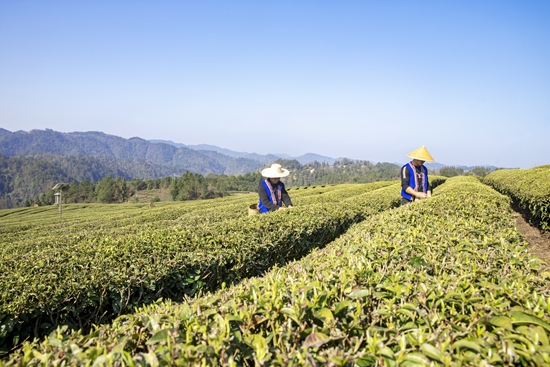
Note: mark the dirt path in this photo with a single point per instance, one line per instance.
(539, 241)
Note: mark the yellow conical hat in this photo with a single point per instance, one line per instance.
(421, 154)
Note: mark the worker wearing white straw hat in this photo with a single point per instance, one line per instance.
(414, 177)
(272, 191)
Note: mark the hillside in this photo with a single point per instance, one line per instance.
(98, 144)
(32, 161)
(23, 178)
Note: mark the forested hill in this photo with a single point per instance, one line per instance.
(25, 177)
(98, 144)
(32, 162)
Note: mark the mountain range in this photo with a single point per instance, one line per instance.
(31, 162)
(177, 157)
(161, 157)
(303, 159)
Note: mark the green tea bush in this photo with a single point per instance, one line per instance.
(106, 267)
(529, 189)
(442, 282)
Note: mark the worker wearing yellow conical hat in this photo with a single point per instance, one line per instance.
(414, 177)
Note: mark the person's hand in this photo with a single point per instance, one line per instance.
(421, 195)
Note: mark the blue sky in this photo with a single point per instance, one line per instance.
(372, 80)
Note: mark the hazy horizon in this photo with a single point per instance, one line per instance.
(279, 154)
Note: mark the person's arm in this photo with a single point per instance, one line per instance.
(265, 199)
(286, 197)
(405, 178)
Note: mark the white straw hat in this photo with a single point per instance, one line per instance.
(275, 171)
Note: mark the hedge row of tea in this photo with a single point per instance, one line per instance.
(95, 270)
(530, 190)
(42, 218)
(444, 282)
(108, 219)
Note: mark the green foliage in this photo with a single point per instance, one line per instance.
(24, 178)
(194, 186)
(450, 171)
(441, 282)
(344, 171)
(21, 179)
(152, 157)
(529, 189)
(94, 157)
(481, 171)
(96, 264)
(436, 180)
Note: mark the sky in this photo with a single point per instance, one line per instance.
(372, 80)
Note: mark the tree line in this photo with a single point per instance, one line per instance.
(193, 186)
(189, 186)
(451, 171)
(341, 171)
(28, 181)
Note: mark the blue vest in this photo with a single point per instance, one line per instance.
(412, 181)
(261, 206)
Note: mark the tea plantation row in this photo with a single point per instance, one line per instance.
(96, 270)
(442, 282)
(18, 222)
(529, 189)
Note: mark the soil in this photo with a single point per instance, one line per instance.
(539, 241)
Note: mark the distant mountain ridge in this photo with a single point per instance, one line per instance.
(178, 157)
(31, 162)
(99, 144)
(303, 159)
